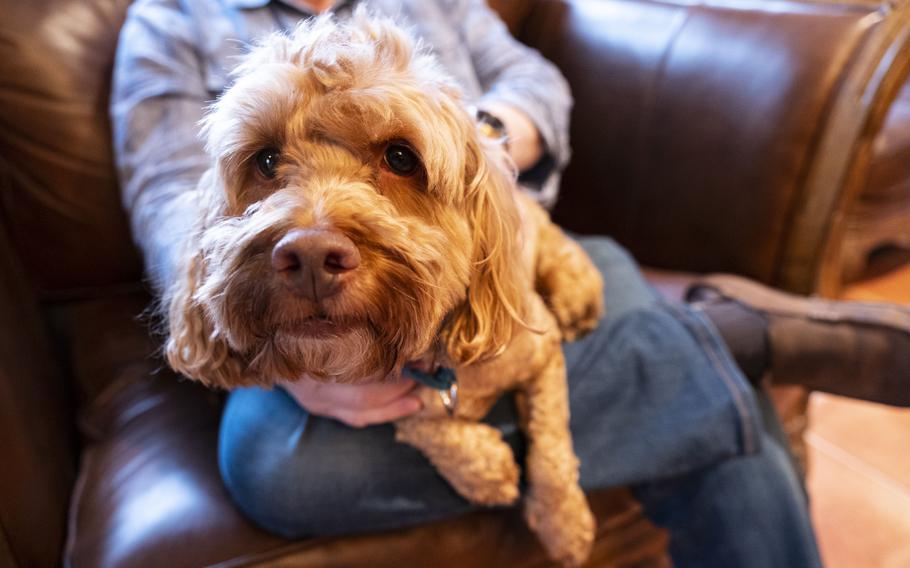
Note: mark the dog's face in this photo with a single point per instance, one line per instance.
(352, 218)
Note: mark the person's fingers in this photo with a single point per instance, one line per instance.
(389, 412)
(331, 399)
(365, 397)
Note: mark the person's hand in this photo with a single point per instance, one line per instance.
(525, 146)
(357, 405)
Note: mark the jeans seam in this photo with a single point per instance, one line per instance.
(706, 336)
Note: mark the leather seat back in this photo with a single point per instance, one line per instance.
(61, 206)
(695, 128)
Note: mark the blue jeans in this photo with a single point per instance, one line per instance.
(657, 403)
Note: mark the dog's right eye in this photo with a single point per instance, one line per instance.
(267, 161)
(401, 159)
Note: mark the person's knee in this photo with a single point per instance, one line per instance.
(605, 252)
(287, 494)
(264, 459)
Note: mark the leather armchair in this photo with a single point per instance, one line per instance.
(708, 137)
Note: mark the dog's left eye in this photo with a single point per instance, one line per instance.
(401, 159)
(267, 161)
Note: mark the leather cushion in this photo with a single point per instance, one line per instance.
(37, 447)
(148, 492)
(63, 208)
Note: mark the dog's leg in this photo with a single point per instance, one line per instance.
(555, 506)
(471, 456)
(568, 281)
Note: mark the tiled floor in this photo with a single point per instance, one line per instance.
(859, 455)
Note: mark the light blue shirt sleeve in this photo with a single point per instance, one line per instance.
(513, 73)
(158, 97)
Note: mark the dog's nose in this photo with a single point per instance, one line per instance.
(311, 262)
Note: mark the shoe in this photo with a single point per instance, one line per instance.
(855, 349)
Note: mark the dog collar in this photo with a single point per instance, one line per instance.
(442, 380)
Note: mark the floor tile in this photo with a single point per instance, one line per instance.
(861, 521)
(859, 455)
(875, 434)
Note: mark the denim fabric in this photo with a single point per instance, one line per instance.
(745, 512)
(656, 402)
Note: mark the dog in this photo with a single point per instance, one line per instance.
(355, 220)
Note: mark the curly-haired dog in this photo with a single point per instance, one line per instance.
(354, 220)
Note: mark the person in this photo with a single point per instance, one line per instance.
(658, 394)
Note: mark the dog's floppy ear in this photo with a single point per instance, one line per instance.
(482, 326)
(193, 348)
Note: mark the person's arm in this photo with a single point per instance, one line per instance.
(523, 142)
(526, 92)
(157, 100)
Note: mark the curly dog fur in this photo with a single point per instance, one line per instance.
(454, 266)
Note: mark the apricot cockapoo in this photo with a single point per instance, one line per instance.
(354, 220)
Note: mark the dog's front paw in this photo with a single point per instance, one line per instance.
(490, 476)
(570, 284)
(577, 302)
(471, 456)
(563, 522)
(574, 294)
(498, 487)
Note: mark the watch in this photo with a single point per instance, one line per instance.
(491, 127)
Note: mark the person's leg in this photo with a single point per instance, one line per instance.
(654, 397)
(747, 512)
(855, 349)
(299, 475)
(652, 391)
(745, 334)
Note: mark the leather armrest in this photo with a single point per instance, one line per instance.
(722, 136)
(37, 443)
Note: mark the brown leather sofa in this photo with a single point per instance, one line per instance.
(730, 136)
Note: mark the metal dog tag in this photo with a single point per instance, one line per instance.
(450, 398)
(443, 380)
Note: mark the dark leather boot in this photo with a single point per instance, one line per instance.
(855, 349)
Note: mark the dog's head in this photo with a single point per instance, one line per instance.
(353, 217)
